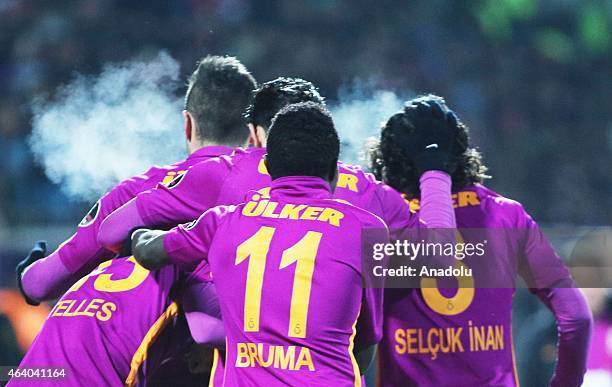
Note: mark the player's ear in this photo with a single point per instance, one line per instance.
(188, 124)
(261, 136)
(257, 136)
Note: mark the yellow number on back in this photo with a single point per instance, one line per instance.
(105, 283)
(449, 306)
(256, 247)
(303, 253)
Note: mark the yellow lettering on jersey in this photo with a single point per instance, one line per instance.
(99, 308)
(93, 306)
(436, 340)
(348, 181)
(292, 357)
(460, 199)
(413, 204)
(331, 216)
(428, 341)
(467, 198)
(304, 360)
(254, 208)
(261, 167)
(269, 360)
(268, 209)
(252, 350)
(61, 307)
(107, 311)
(311, 213)
(265, 192)
(242, 356)
(400, 341)
(486, 337)
(292, 211)
(283, 360)
(70, 313)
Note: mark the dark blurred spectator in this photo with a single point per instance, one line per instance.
(532, 77)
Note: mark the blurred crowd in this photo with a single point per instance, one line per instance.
(533, 78)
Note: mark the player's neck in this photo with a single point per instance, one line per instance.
(193, 147)
(309, 186)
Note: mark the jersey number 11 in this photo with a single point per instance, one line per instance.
(303, 253)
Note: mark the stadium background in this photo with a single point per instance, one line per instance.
(532, 78)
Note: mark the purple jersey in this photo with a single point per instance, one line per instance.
(462, 337)
(101, 331)
(81, 253)
(288, 273)
(227, 179)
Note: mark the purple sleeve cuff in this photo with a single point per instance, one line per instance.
(46, 279)
(436, 200)
(574, 323)
(116, 227)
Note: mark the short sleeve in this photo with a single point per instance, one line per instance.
(188, 245)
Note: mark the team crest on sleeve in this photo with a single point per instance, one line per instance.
(177, 179)
(91, 215)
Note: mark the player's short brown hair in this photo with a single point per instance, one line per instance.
(218, 93)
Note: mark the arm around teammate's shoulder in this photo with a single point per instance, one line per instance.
(185, 245)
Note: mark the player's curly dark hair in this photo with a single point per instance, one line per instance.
(390, 163)
(273, 95)
(303, 141)
(218, 92)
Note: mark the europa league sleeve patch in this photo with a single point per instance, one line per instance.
(91, 215)
(179, 177)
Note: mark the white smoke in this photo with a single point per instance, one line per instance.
(101, 129)
(359, 114)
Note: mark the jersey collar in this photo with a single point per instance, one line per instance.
(300, 187)
(211, 151)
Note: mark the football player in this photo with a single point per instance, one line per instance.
(227, 179)
(219, 91)
(287, 265)
(436, 336)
